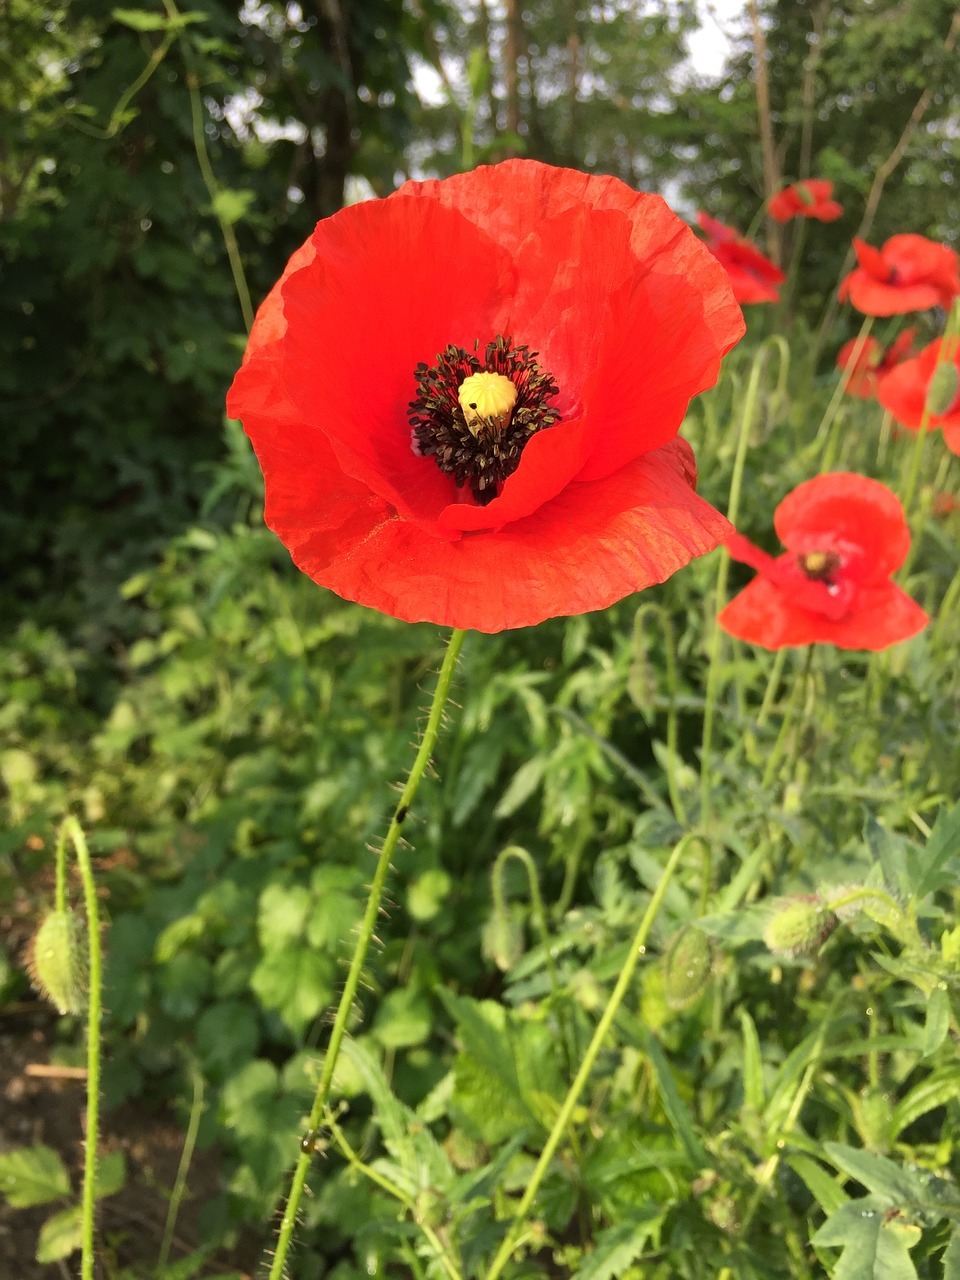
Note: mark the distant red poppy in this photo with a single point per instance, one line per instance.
(753, 277)
(810, 199)
(845, 535)
(910, 273)
(873, 362)
(906, 390)
(465, 397)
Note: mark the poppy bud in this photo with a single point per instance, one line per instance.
(687, 966)
(799, 926)
(502, 940)
(57, 961)
(943, 388)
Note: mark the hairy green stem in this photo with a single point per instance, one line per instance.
(72, 830)
(670, 652)
(720, 591)
(364, 938)
(637, 949)
(826, 422)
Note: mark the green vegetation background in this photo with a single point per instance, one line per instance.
(228, 732)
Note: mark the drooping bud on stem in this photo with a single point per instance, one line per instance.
(57, 960)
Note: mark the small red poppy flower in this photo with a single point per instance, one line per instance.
(928, 381)
(845, 535)
(873, 362)
(810, 199)
(753, 277)
(465, 397)
(910, 273)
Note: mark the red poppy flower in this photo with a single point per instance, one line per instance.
(907, 390)
(809, 199)
(845, 535)
(465, 398)
(910, 273)
(873, 361)
(753, 277)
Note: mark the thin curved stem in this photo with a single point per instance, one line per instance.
(186, 1156)
(637, 949)
(365, 936)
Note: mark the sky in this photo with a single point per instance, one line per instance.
(709, 47)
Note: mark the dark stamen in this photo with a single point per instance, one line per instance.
(483, 454)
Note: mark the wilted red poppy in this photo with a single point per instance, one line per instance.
(753, 277)
(873, 361)
(465, 397)
(910, 273)
(926, 381)
(810, 199)
(845, 535)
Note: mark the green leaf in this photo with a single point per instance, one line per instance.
(297, 983)
(230, 207)
(880, 1175)
(824, 1189)
(140, 20)
(876, 1245)
(752, 1064)
(403, 1019)
(932, 867)
(617, 1247)
(937, 1090)
(111, 1174)
(522, 786)
(937, 1022)
(951, 1257)
(33, 1175)
(678, 1113)
(60, 1235)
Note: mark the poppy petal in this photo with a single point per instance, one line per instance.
(645, 519)
(843, 507)
(764, 615)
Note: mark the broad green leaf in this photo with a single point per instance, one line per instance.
(937, 1022)
(111, 1174)
(951, 1257)
(60, 1235)
(297, 983)
(876, 1244)
(230, 207)
(33, 1175)
(403, 1019)
(618, 1246)
(882, 1176)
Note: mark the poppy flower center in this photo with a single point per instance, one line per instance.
(819, 566)
(474, 415)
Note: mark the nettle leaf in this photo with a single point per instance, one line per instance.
(934, 866)
(876, 1241)
(33, 1175)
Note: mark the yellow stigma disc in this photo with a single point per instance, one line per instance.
(487, 397)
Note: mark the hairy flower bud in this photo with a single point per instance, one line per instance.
(57, 960)
(687, 966)
(799, 926)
